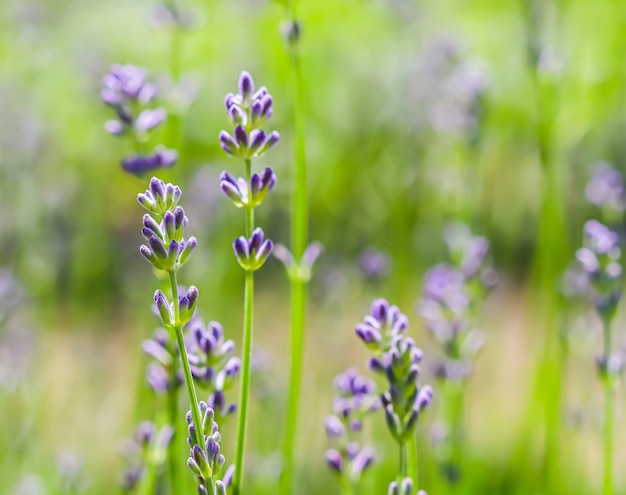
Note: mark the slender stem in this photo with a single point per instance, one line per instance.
(245, 381)
(346, 484)
(191, 390)
(402, 464)
(174, 421)
(412, 455)
(299, 197)
(246, 358)
(609, 416)
(298, 301)
(148, 481)
(299, 240)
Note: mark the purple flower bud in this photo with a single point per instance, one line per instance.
(149, 119)
(269, 143)
(240, 246)
(186, 251)
(424, 398)
(241, 136)
(156, 245)
(114, 127)
(334, 427)
(257, 139)
(229, 145)
(362, 461)
(246, 87)
(228, 100)
(237, 116)
(334, 460)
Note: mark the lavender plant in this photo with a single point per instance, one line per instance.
(600, 258)
(397, 358)
(168, 250)
(127, 91)
(248, 111)
(355, 399)
(452, 296)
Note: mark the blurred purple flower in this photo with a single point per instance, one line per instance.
(606, 187)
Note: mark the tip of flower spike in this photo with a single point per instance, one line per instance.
(246, 85)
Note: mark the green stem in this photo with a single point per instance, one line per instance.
(609, 416)
(412, 455)
(174, 421)
(298, 301)
(402, 464)
(299, 240)
(346, 485)
(191, 390)
(148, 481)
(246, 357)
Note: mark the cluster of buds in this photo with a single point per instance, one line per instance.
(354, 400)
(127, 91)
(405, 487)
(206, 461)
(163, 228)
(396, 358)
(600, 259)
(252, 253)
(237, 188)
(247, 111)
(213, 363)
(148, 447)
(452, 295)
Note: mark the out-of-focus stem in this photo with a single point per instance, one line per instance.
(299, 239)
(244, 393)
(609, 415)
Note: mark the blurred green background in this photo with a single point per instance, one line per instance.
(419, 113)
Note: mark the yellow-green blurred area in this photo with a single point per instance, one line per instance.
(419, 113)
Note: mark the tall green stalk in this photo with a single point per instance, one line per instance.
(246, 357)
(299, 239)
(174, 421)
(609, 416)
(551, 244)
(191, 389)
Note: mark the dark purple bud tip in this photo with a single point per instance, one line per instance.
(246, 85)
